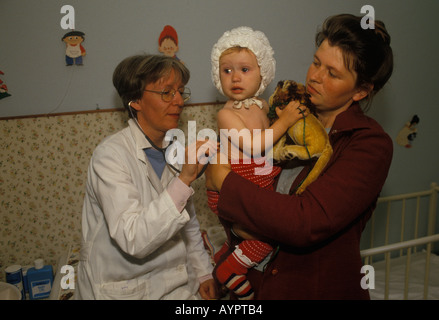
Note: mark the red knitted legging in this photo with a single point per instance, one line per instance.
(231, 272)
(264, 179)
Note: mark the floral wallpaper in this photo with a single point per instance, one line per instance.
(43, 168)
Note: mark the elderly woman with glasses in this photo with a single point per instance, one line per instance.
(140, 235)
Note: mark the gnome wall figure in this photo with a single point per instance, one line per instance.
(168, 42)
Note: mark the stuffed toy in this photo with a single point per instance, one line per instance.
(307, 138)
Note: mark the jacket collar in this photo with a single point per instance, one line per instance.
(139, 138)
(142, 143)
(351, 119)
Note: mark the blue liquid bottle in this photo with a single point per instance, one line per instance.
(39, 280)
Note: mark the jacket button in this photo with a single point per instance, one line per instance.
(274, 272)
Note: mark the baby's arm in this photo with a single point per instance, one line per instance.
(228, 119)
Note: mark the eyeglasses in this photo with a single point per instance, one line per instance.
(169, 94)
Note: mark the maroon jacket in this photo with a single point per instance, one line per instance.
(318, 232)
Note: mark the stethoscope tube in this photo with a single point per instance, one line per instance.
(163, 150)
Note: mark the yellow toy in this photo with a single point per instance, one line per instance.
(305, 140)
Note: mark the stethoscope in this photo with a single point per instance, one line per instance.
(162, 150)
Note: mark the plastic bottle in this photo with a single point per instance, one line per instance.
(25, 288)
(39, 280)
(14, 276)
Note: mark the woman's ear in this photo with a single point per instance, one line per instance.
(363, 92)
(134, 104)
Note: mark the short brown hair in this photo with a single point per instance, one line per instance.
(134, 73)
(366, 51)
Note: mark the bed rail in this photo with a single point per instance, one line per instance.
(405, 247)
(387, 249)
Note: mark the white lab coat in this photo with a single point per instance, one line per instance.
(136, 244)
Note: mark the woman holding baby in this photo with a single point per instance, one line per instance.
(316, 235)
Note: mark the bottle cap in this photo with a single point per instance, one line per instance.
(14, 268)
(39, 264)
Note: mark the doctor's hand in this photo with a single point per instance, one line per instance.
(197, 156)
(208, 290)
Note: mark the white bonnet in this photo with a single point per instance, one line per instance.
(257, 42)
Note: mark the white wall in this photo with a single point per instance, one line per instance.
(32, 57)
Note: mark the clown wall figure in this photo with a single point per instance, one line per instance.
(408, 133)
(74, 50)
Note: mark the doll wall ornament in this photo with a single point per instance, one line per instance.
(168, 42)
(408, 133)
(74, 49)
(3, 88)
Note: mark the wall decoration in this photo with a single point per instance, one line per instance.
(408, 133)
(74, 49)
(3, 88)
(168, 42)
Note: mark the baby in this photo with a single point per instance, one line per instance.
(242, 67)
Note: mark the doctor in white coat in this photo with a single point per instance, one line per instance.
(140, 234)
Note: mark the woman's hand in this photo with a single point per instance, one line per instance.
(204, 150)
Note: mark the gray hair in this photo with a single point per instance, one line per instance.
(134, 73)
